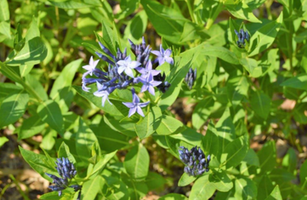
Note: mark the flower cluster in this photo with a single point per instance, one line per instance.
(66, 171)
(242, 36)
(190, 77)
(123, 72)
(194, 160)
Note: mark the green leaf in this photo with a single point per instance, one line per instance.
(202, 189)
(251, 65)
(137, 162)
(108, 39)
(237, 89)
(38, 162)
(265, 36)
(173, 196)
(183, 63)
(5, 29)
(117, 108)
(154, 181)
(64, 151)
(115, 189)
(225, 130)
(189, 135)
(251, 158)
(221, 181)
(242, 11)
(185, 180)
(220, 52)
(3, 140)
(136, 27)
(71, 4)
(50, 113)
(303, 172)
(4, 11)
(52, 196)
(37, 87)
(109, 140)
(128, 7)
(169, 125)
(30, 127)
(236, 151)
(13, 105)
(126, 127)
(34, 50)
(12, 73)
(64, 79)
(85, 140)
(297, 82)
(290, 160)
(91, 187)
(261, 104)
(267, 157)
(211, 142)
(167, 21)
(265, 186)
(245, 188)
(100, 165)
(202, 111)
(148, 125)
(275, 194)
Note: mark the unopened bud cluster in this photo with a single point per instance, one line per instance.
(67, 171)
(242, 36)
(190, 78)
(195, 161)
(123, 72)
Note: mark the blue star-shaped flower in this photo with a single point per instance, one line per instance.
(148, 70)
(135, 106)
(102, 93)
(163, 56)
(91, 66)
(149, 83)
(127, 65)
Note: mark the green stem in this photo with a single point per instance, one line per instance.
(214, 16)
(190, 10)
(7, 71)
(19, 189)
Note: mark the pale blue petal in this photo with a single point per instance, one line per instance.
(129, 104)
(139, 110)
(129, 72)
(132, 111)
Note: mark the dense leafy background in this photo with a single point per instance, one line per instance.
(247, 109)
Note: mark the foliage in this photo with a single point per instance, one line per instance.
(242, 80)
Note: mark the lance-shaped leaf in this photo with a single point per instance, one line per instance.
(245, 188)
(202, 189)
(50, 113)
(261, 104)
(235, 152)
(33, 52)
(137, 162)
(13, 103)
(148, 125)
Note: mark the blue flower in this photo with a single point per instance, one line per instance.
(91, 66)
(148, 70)
(135, 106)
(194, 160)
(163, 55)
(102, 92)
(67, 171)
(242, 36)
(127, 65)
(190, 77)
(149, 83)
